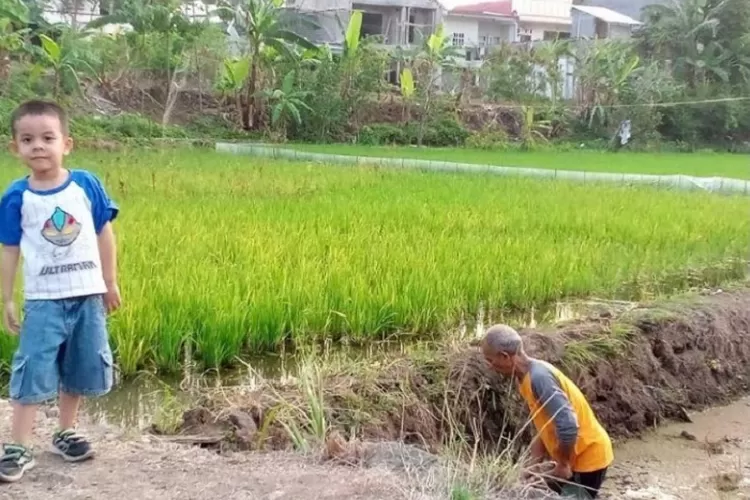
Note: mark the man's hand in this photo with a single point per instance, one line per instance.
(10, 318)
(562, 471)
(112, 299)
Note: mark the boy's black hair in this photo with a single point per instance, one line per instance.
(39, 107)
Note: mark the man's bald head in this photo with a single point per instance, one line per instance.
(502, 339)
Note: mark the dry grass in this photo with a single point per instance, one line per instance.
(361, 414)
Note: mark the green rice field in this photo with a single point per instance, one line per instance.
(231, 254)
(706, 164)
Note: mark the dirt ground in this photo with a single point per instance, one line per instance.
(130, 466)
(689, 461)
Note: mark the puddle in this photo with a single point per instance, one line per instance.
(704, 460)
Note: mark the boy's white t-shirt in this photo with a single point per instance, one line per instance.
(57, 233)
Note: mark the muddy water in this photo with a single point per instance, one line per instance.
(703, 460)
(134, 402)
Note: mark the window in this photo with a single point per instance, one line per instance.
(524, 35)
(372, 24)
(556, 35)
(458, 39)
(483, 40)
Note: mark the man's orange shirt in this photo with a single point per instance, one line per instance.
(557, 407)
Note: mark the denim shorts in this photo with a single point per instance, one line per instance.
(63, 345)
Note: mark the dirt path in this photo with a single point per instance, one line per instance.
(662, 466)
(136, 467)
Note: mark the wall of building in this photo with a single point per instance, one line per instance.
(536, 30)
(586, 25)
(630, 8)
(543, 8)
(468, 26)
(496, 32)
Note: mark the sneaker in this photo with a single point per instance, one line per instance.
(15, 460)
(72, 447)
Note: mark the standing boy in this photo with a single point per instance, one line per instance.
(60, 220)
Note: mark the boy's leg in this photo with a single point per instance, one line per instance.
(34, 379)
(86, 370)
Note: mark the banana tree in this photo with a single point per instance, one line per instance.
(265, 24)
(286, 103)
(437, 54)
(233, 78)
(407, 92)
(13, 14)
(533, 131)
(11, 42)
(680, 31)
(63, 59)
(604, 73)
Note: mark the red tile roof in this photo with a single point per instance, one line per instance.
(501, 8)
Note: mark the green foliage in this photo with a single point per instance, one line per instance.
(383, 134)
(125, 126)
(686, 50)
(489, 138)
(441, 133)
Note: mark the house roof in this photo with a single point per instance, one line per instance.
(501, 8)
(607, 15)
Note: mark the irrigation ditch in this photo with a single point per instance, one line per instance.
(683, 182)
(657, 362)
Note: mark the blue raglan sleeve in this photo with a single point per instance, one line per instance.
(103, 208)
(548, 392)
(10, 217)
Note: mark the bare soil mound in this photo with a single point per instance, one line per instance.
(652, 363)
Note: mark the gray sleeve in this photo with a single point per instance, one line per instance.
(547, 391)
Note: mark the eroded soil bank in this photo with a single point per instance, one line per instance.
(655, 362)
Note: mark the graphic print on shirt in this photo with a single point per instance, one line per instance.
(61, 229)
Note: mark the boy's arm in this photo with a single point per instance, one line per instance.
(8, 267)
(10, 239)
(104, 211)
(108, 254)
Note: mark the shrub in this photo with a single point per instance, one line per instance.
(382, 133)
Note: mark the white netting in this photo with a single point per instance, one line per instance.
(712, 184)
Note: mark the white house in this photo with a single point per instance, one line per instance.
(543, 19)
(491, 23)
(600, 22)
(482, 24)
(399, 23)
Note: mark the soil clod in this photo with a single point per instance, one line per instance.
(686, 435)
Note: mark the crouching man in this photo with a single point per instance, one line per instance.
(568, 432)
